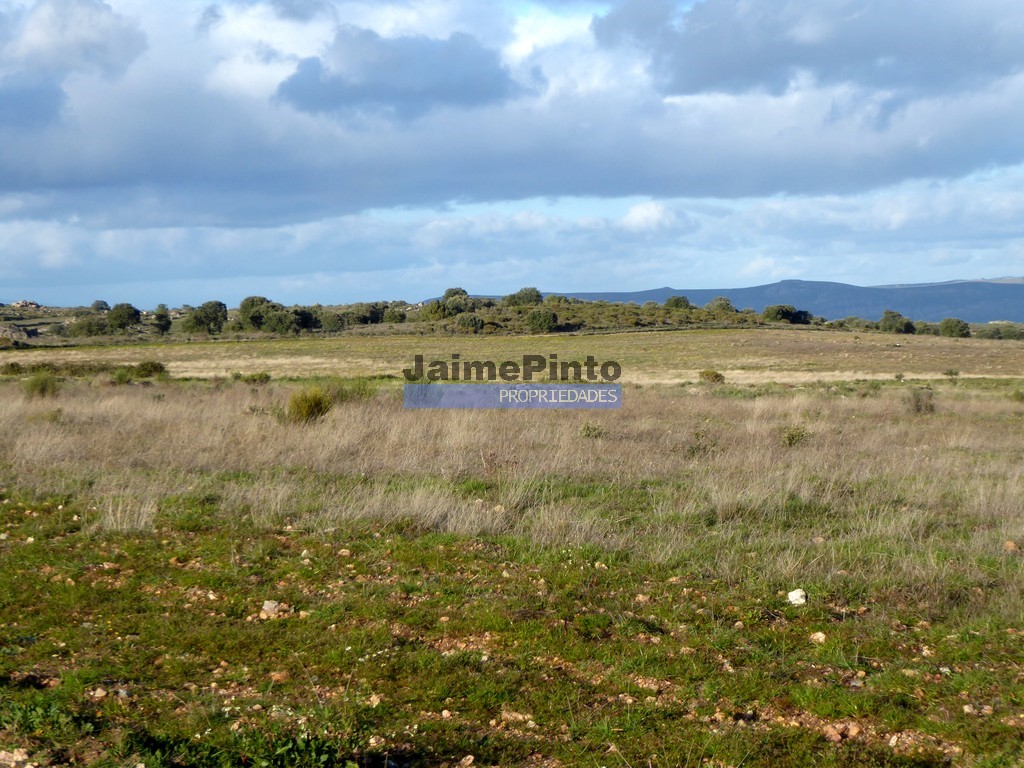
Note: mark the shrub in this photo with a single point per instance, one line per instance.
(921, 400)
(469, 322)
(149, 368)
(894, 322)
(42, 384)
(711, 376)
(309, 404)
(955, 328)
(542, 321)
(592, 430)
(1017, 396)
(678, 302)
(122, 376)
(795, 435)
(12, 369)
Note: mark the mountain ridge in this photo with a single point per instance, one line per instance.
(976, 301)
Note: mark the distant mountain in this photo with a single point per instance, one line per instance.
(976, 301)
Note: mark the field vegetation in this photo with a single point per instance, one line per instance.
(285, 567)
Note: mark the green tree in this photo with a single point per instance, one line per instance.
(208, 318)
(123, 316)
(89, 325)
(100, 306)
(955, 328)
(253, 310)
(394, 315)
(678, 302)
(524, 297)
(894, 322)
(162, 319)
(451, 293)
(786, 313)
(720, 305)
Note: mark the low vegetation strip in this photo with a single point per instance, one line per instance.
(190, 577)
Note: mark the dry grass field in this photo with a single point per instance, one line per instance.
(520, 588)
(750, 355)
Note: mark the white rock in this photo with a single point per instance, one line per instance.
(797, 597)
(818, 638)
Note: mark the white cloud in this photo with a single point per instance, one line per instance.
(66, 35)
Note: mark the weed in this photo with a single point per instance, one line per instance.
(42, 384)
(921, 400)
(711, 376)
(309, 404)
(794, 435)
(591, 430)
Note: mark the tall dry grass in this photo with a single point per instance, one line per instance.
(803, 486)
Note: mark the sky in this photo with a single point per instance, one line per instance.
(333, 151)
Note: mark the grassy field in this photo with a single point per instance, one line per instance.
(753, 355)
(189, 577)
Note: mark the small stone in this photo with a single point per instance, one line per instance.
(819, 540)
(853, 731)
(1010, 546)
(344, 553)
(279, 676)
(738, 625)
(270, 609)
(467, 761)
(797, 597)
(99, 693)
(446, 714)
(305, 555)
(832, 734)
(969, 709)
(818, 638)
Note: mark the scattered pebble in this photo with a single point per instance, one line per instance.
(797, 597)
(818, 638)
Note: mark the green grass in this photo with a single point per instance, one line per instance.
(431, 647)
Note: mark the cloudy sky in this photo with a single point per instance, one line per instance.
(333, 151)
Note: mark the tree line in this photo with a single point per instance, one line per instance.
(525, 311)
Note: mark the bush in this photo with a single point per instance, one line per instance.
(542, 321)
(710, 376)
(149, 368)
(591, 430)
(792, 436)
(894, 322)
(42, 384)
(469, 322)
(921, 400)
(309, 404)
(122, 376)
(955, 328)
(678, 302)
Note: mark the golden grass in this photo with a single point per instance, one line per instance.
(744, 356)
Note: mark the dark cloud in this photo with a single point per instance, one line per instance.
(736, 45)
(407, 76)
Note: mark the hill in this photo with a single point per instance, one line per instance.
(976, 301)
